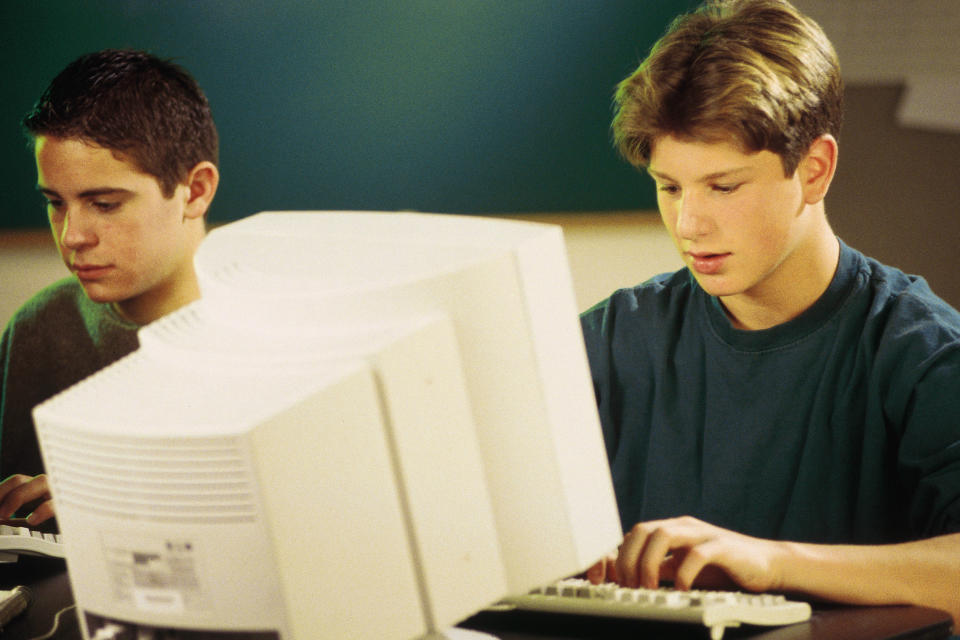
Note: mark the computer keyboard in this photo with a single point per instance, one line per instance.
(18, 540)
(715, 609)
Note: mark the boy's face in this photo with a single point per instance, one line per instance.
(735, 218)
(116, 232)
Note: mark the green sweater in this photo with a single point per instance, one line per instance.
(56, 339)
(842, 425)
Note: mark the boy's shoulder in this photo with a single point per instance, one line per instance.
(61, 308)
(905, 298)
(662, 291)
(53, 300)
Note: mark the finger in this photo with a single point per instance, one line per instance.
(668, 568)
(612, 570)
(12, 482)
(33, 489)
(655, 553)
(41, 514)
(15, 522)
(9, 502)
(629, 556)
(695, 561)
(604, 570)
(598, 572)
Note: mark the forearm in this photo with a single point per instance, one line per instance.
(925, 572)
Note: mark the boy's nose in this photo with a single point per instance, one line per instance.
(75, 231)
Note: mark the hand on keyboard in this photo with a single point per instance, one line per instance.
(19, 490)
(692, 553)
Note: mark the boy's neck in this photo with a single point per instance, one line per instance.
(786, 298)
(158, 302)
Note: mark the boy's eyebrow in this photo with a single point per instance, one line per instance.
(89, 193)
(716, 175)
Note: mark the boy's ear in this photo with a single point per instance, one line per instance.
(201, 184)
(817, 168)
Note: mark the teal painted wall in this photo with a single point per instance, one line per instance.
(465, 106)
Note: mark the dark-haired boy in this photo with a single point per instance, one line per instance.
(126, 152)
(784, 413)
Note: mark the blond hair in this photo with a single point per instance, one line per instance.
(757, 73)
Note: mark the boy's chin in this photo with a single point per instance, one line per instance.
(718, 287)
(99, 293)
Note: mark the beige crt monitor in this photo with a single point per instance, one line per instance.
(372, 425)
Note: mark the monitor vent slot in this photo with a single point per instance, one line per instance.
(188, 480)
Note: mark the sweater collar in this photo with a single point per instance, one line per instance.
(844, 279)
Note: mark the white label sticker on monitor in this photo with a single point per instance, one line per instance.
(158, 575)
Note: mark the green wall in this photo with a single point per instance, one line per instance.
(466, 106)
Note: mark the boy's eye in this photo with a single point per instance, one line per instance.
(669, 189)
(725, 188)
(105, 207)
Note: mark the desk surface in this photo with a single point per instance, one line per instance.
(47, 579)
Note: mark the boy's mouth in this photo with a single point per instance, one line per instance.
(706, 263)
(90, 271)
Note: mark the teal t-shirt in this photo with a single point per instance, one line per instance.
(56, 339)
(842, 425)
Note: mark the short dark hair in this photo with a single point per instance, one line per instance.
(757, 73)
(147, 108)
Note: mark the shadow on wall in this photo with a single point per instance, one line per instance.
(896, 190)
